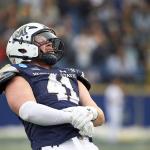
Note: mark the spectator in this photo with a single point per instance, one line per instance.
(114, 97)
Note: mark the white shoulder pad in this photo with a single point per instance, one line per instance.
(8, 68)
(6, 73)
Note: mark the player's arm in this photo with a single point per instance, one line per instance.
(86, 100)
(88, 114)
(22, 101)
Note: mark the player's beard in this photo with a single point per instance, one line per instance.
(49, 58)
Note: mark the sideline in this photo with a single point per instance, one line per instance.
(127, 134)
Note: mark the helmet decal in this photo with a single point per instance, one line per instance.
(21, 32)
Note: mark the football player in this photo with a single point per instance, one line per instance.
(53, 103)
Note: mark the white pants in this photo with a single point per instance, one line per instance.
(73, 144)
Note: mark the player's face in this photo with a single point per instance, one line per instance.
(44, 44)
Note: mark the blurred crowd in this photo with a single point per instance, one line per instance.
(104, 38)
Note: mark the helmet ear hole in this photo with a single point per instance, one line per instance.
(22, 51)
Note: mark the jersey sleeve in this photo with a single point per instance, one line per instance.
(81, 77)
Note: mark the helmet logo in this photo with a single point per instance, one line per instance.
(21, 32)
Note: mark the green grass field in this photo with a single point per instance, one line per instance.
(23, 144)
(14, 144)
(123, 146)
(133, 138)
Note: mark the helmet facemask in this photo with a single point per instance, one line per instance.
(52, 56)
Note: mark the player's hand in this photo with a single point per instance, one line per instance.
(79, 116)
(93, 111)
(82, 116)
(88, 129)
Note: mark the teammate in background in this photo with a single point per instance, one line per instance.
(114, 97)
(53, 103)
